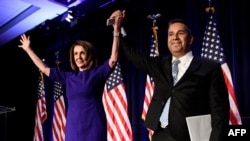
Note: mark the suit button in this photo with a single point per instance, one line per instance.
(173, 91)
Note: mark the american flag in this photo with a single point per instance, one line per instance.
(149, 86)
(116, 107)
(59, 117)
(212, 49)
(41, 113)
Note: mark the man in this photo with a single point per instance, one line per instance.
(198, 88)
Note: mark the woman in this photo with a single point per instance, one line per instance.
(86, 120)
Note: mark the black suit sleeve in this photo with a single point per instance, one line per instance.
(219, 102)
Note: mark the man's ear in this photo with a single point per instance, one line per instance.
(191, 40)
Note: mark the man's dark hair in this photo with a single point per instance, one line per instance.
(180, 21)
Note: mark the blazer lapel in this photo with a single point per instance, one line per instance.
(192, 67)
(167, 70)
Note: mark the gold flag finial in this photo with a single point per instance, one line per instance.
(153, 17)
(210, 9)
(155, 29)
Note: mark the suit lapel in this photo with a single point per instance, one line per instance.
(192, 67)
(167, 70)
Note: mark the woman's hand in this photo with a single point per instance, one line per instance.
(119, 16)
(25, 40)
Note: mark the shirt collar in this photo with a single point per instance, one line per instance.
(186, 58)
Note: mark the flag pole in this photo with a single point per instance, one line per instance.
(211, 39)
(41, 113)
(59, 113)
(149, 81)
(57, 60)
(155, 28)
(41, 75)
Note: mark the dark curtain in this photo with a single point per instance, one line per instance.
(19, 76)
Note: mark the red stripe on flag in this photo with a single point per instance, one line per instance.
(212, 49)
(59, 121)
(116, 110)
(115, 105)
(41, 115)
(234, 113)
(149, 89)
(59, 117)
(149, 86)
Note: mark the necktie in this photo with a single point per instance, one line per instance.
(165, 112)
(175, 70)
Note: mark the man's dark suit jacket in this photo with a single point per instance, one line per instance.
(201, 90)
